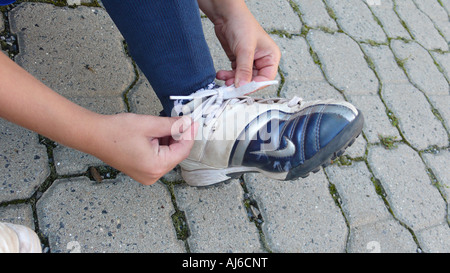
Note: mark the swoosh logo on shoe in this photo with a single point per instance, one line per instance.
(287, 151)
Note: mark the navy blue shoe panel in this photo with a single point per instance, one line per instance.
(281, 145)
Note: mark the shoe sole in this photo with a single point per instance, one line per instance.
(334, 149)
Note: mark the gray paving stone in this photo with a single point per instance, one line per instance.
(435, 239)
(75, 51)
(416, 120)
(437, 14)
(441, 104)
(389, 19)
(78, 2)
(412, 198)
(438, 162)
(221, 61)
(315, 15)
(275, 15)
(420, 26)
(214, 228)
(303, 78)
(299, 215)
(20, 214)
(343, 63)
(173, 176)
(23, 162)
(376, 121)
(359, 200)
(310, 90)
(356, 19)
(381, 237)
(2, 24)
(420, 68)
(296, 62)
(102, 105)
(384, 64)
(358, 148)
(142, 98)
(118, 216)
(446, 5)
(69, 161)
(443, 60)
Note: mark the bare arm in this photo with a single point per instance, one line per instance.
(253, 54)
(30, 104)
(128, 142)
(221, 9)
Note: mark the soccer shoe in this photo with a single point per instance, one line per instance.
(279, 138)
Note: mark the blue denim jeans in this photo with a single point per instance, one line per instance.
(166, 40)
(6, 2)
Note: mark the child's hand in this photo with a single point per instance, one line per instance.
(142, 146)
(253, 54)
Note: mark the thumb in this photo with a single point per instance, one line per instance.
(180, 149)
(244, 65)
(168, 126)
(180, 127)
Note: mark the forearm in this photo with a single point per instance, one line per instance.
(219, 10)
(127, 142)
(29, 103)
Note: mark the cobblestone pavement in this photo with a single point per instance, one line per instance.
(389, 193)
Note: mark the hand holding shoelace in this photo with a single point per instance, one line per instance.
(253, 54)
(145, 147)
(141, 146)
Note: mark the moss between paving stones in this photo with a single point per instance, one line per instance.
(389, 142)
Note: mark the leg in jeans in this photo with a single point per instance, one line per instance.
(166, 40)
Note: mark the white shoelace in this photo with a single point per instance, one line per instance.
(212, 102)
